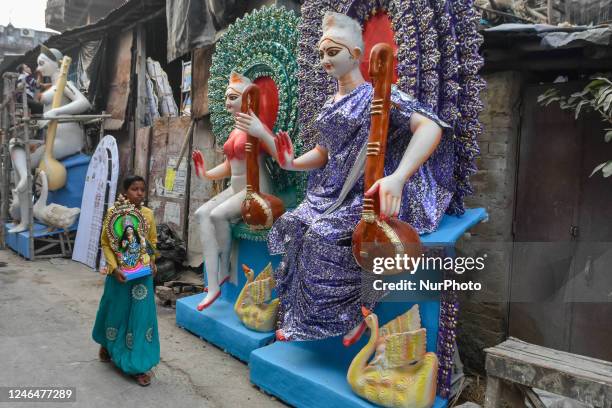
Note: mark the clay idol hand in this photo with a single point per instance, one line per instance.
(284, 149)
(389, 189)
(250, 124)
(51, 113)
(198, 162)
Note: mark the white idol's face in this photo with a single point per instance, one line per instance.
(233, 101)
(45, 66)
(336, 59)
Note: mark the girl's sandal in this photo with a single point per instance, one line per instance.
(103, 355)
(143, 380)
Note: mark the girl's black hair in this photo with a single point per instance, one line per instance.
(131, 179)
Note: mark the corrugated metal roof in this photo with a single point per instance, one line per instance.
(116, 21)
(550, 36)
(542, 47)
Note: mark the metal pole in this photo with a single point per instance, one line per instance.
(3, 162)
(26, 140)
(8, 108)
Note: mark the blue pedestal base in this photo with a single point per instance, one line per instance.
(313, 373)
(19, 242)
(219, 325)
(305, 374)
(69, 196)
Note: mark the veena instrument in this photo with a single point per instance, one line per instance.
(375, 237)
(56, 172)
(259, 210)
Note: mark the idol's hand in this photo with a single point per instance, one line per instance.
(284, 149)
(250, 124)
(389, 190)
(198, 162)
(51, 113)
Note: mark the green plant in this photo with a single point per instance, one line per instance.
(597, 95)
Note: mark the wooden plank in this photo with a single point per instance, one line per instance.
(200, 72)
(141, 154)
(141, 69)
(559, 382)
(500, 394)
(493, 392)
(576, 364)
(169, 206)
(119, 87)
(549, 12)
(532, 397)
(533, 370)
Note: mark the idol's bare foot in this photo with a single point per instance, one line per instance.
(280, 336)
(226, 279)
(209, 299)
(22, 226)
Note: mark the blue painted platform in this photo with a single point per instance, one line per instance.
(308, 377)
(452, 228)
(218, 324)
(313, 373)
(70, 196)
(19, 242)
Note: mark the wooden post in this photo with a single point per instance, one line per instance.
(26, 141)
(549, 12)
(493, 392)
(5, 159)
(140, 70)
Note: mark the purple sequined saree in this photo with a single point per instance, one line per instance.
(318, 281)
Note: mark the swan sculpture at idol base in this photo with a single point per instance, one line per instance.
(401, 374)
(53, 215)
(253, 305)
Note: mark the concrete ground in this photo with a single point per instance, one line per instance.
(47, 311)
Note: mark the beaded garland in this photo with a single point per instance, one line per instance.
(438, 64)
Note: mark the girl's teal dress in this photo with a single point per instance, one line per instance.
(126, 323)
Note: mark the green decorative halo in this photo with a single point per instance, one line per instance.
(262, 43)
(120, 222)
(115, 220)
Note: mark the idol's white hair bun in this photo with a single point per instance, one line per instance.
(333, 23)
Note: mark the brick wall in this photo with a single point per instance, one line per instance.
(483, 323)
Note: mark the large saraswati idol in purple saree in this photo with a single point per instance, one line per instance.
(436, 80)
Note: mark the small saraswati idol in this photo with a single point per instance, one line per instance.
(127, 228)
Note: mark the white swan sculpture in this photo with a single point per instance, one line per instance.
(53, 215)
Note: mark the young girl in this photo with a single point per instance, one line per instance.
(126, 323)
